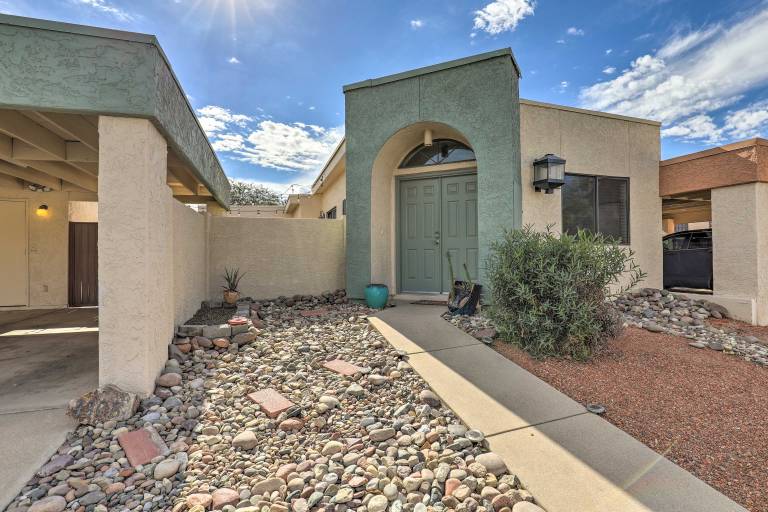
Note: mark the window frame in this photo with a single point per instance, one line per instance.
(596, 196)
(436, 142)
(333, 211)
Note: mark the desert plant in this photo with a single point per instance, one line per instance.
(549, 292)
(232, 279)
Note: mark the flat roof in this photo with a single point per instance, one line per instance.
(372, 82)
(734, 146)
(589, 112)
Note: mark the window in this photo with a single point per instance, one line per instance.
(344, 206)
(676, 243)
(701, 240)
(442, 151)
(331, 214)
(597, 204)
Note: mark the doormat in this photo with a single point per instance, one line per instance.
(431, 302)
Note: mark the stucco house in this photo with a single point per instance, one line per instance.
(440, 160)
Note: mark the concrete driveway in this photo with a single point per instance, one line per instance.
(47, 357)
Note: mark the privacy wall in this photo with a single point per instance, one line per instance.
(279, 256)
(190, 261)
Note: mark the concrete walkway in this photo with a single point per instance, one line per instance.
(569, 459)
(47, 357)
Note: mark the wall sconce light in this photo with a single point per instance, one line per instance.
(427, 137)
(548, 173)
(42, 210)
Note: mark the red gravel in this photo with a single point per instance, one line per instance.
(704, 410)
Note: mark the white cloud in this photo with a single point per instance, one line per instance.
(417, 24)
(609, 51)
(233, 60)
(298, 147)
(560, 41)
(503, 15)
(573, 31)
(106, 7)
(563, 86)
(751, 121)
(691, 75)
(609, 70)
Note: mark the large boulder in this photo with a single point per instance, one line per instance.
(102, 405)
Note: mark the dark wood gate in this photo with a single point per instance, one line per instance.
(83, 264)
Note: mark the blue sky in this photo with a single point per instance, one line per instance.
(265, 76)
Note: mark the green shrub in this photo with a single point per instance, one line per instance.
(548, 291)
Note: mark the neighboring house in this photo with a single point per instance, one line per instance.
(440, 160)
(263, 211)
(726, 188)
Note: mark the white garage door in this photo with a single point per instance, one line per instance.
(13, 253)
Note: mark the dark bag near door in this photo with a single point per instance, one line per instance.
(465, 298)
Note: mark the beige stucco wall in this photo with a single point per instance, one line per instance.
(47, 243)
(309, 207)
(740, 250)
(83, 211)
(190, 261)
(136, 298)
(279, 256)
(600, 145)
(333, 195)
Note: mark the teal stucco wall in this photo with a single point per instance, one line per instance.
(477, 96)
(59, 67)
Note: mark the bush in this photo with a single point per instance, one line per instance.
(549, 292)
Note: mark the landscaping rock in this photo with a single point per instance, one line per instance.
(217, 331)
(109, 403)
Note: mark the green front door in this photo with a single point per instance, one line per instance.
(437, 216)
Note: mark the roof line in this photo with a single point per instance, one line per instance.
(108, 33)
(372, 82)
(756, 141)
(589, 112)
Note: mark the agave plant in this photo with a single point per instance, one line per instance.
(232, 277)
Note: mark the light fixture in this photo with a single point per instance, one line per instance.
(42, 210)
(548, 173)
(428, 137)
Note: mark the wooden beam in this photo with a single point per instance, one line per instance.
(75, 152)
(65, 172)
(196, 199)
(30, 175)
(203, 191)
(18, 126)
(76, 126)
(6, 146)
(182, 177)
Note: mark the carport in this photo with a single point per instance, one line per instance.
(94, 119)
(726, 187)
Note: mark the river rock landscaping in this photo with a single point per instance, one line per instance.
(306, 409)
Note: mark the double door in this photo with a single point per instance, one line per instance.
(437, 229)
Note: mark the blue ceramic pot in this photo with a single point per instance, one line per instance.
(376, 295)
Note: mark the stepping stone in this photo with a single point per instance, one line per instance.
(142, 445)
(309, 313)
(342, 367)
(272, 402)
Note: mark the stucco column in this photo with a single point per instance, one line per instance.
(740, 249)
(135, 253)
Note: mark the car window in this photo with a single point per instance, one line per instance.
(675, 243)
(700, 241)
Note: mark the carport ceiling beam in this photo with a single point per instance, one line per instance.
(76, 126)
(30, 175)
(76, 152)
(21, 127)
(180, 176)
(65, 172)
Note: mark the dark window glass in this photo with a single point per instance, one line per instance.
(344, 206)
(579, 203)
(331, 214)
(442, 151)
(700, 241)
(596, 203)
(612, 215)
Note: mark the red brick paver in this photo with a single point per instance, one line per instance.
(342, 367)
(272, 402)
(142, 445)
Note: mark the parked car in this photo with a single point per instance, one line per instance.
(688, 259)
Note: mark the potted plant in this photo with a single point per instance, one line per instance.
(232, 279)
(376, 295)
(464, 295)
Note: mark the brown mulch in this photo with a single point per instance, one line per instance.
(704, 410)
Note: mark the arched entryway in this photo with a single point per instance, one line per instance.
(424, 209)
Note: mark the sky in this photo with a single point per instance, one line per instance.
(265, 77)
